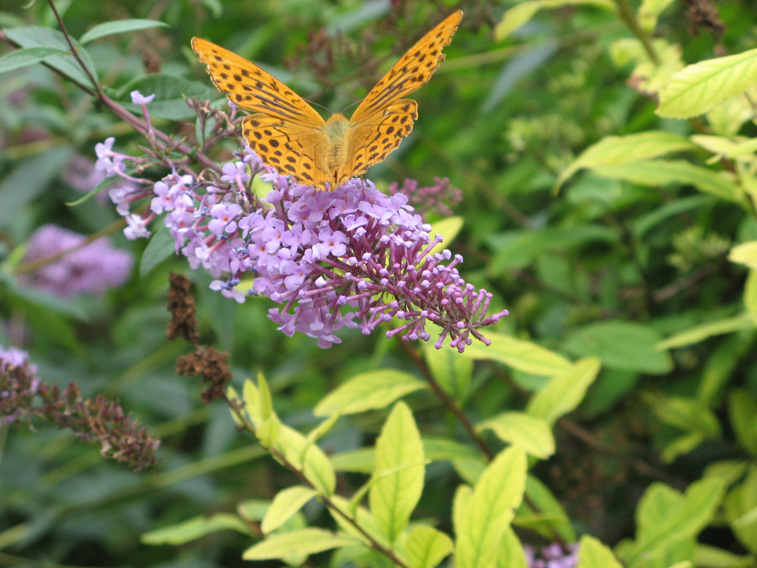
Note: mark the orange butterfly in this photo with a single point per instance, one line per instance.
(290, 136)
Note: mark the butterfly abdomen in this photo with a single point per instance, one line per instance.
(336, 129)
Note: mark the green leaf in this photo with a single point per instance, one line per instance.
(740, 505)
(515, 17)
(295, 543)
(511, 552)
(490, 510)
(750, 295)
(723, 359)
(621, 345)
(564, 393)
(39, 36)
(107, 182)
(686, 414)
(593, 554)
(653, 173)
(308, 458)
(665, 518)
(119, 27)
(160, 247)
(286, 503)
(27, 180)
(356, 461)
(171, 94)
(542, 512)
(745, 254)
(398, 477)
(28, 56)
(522, 355)
(531, 434)
(617, 150)
(699, 87)
(426, 547)
(190, 530)
(712, 557)
(742, 411)
(369, 391)
(451, 371)
(448, 228)
(701, 332)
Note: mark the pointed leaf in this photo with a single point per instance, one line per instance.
(699, 333)
(369, 391)
(28, 56)
(745, 254)
(518, 15)
(286, 503)
(699, 87)
(624, 345)
(295, 543)
(399, 472)
(564, 393)
(119, 27)
(452, 372)
(594, 554)
(614, 150)
(518, 428)
(193, 529)
(522, 355)
(490, 510)
(426, 547)
(308, 458)
(511, 553)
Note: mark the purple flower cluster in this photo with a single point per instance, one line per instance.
(352, 257)
(438, 198)
(24, 396)
(83, 268)
(552, 556)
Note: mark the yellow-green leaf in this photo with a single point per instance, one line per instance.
(593, 554)
(398, 477)
(451, 371)
(615, 150)
(653, 173)
(426, 547)
(706, 330)
(518, 15)
(369, 391)
(745, 254)
(308, 458)
(531, 434)
(295, 543)
(286, 503)
(564, 393)
(490, 510)
(448, 228)
(193, 529)
(522, 355)
(699, 87)
(511, 553)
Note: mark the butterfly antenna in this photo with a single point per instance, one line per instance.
(327, 109)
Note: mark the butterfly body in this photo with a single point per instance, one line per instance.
(290, 136)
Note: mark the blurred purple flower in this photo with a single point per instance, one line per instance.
(92, 268)
(552, 556)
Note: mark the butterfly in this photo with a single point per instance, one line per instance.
(291, 137)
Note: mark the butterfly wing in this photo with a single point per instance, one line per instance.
(413, 70)
(251, 88)
(372, 139)
(290, 148)
(383, 119)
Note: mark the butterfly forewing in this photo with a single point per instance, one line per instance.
(412, 71)
(251, 88)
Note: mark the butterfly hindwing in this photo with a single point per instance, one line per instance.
(289, 148)
(251, 88)
(412, 71)
(370, 141)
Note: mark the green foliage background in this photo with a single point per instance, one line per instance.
(621, 256)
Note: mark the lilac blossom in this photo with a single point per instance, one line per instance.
(83, 268)
(349, 258)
